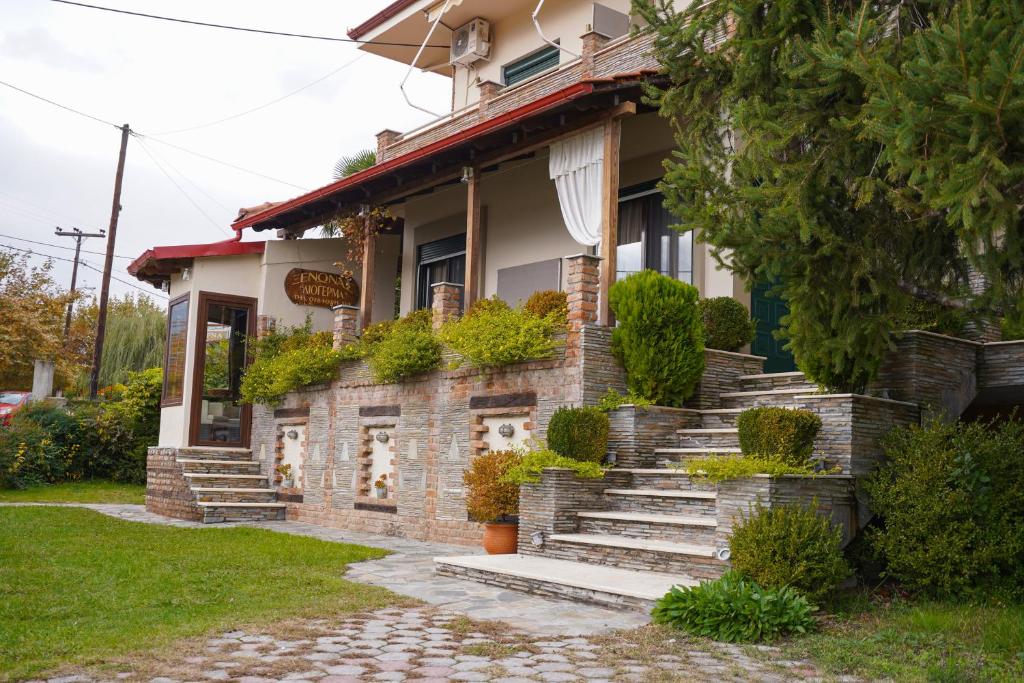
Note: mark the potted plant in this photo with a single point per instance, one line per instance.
(380, 486)
(286, 475)
(492, 500)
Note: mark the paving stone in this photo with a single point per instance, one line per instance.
(216, 675)
(345, 670)
(434, 671)
(554, 666)
(596, 672)
(555, 676)
(470, 676)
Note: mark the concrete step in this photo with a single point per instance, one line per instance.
(214, 453)
(666, 457)
(776, 380)
(577, 581)
(715, 437)
(225, 480)
(207, 466)
(771, 397)
(666, 478)
(719, 417)
(234, 495)
(691, 502)
(694, 530)
(639, 554)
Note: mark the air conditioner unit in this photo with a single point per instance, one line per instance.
(471, 42)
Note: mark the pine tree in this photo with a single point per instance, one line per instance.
(863, 156)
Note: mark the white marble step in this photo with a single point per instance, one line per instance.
(697, 451)
(216, 504)
(802, 391)
(201, 450)
(663, 493)
(214, 475)
(649, 518)
(768, 375)
(610, 581)
(215, 489)
(630, 543)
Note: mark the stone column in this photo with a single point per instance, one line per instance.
(265, 324)
(346, 325)
(985, 329)
(488, 91)
(592, 42)
(385, 139)
(582, 292)
(447, 302)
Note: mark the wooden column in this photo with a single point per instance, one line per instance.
(366, 287)
(609, 216)
(474, 241)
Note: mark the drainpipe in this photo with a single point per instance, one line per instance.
(415, 59)
(540, 31)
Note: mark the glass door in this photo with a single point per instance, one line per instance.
(219, 418)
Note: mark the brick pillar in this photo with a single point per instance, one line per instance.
(447, 302)
(986, 329)
(346, 325)
(592, 42)
(582, 293)
(385, 139)
(265, 324)
(488, 91)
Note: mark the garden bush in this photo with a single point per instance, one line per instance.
(485, 306)
(778, 433)
(659, 338)
(533, 463)
(735, 609)
(489, 496)
(549, 302)
(727, 323)
(404, 348)
(613, 399)
(951, 498)
(288, 360)
(719, 468)
(579, 433)
(496, 335)
(789, 545)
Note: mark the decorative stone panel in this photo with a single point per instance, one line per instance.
(291, 448)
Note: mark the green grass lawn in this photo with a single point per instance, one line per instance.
(78, 587)
(922, 641)
(77, 492)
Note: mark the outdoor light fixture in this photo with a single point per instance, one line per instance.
(364, 210)
(537, 538)
(506, 430)
(723, 554)
(467, 174)
(292, 434)
(186, 273)
(382, 437)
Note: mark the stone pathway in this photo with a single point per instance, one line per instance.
(463, 635)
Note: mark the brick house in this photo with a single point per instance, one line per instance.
(542, 176)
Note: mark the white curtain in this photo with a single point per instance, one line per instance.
(576, 165)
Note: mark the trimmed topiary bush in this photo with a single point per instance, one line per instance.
(951, 498)
(496, 335)
(778, 433)
(659, 339)
(735, 609)
(549, 302)
(727, 323)
(489, 496)
(789, 545)
(579, 433)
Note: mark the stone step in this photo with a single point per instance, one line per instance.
(771, 397)
(577, 581)
(663, 501)
(214, 453)
(234, 495)
(676, 528)
(640, 554)
(776, 380)
(713, 418)
(666, 478)
(215, 512)
(712, 438)
(207, 466)
(667, 457)
(225, 480)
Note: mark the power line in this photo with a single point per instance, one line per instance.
(58, 246)
(85, 263)
(42, 209)
(58, 104)
(266, 104)
(124, 282)
(245, 29)
(187, 179)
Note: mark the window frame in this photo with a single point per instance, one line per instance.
(530, 65)
(165, 401)
(423, 293)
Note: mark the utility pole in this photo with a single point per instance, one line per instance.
(78, 236)
(108, 265)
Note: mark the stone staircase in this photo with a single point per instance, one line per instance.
(646, 530)
(227, 485)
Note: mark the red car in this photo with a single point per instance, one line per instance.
(10, 403)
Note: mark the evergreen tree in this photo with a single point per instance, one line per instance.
(863, 156)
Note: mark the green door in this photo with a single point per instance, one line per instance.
(768, 310)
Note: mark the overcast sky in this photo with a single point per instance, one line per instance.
(57, 168)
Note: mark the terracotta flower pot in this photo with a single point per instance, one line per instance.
(501, 538)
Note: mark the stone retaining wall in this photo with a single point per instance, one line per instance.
(636, 432)
(167, 491)
(1002, 366)
(721, 375)
(551, 505)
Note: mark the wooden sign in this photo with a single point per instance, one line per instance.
(317, 288)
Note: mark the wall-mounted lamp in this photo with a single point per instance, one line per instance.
(537, 538)
(382, 437)
(507, 430)
(467, 174)
(723, 554)
(186, 273)
(292, 434)
(364, 210)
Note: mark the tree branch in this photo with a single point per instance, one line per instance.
(946, 301)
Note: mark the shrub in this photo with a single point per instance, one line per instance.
(727, 323)
(489, 496)
(288, 360)
(735, 609)
(487, 306)
(951, 497)
(792, 546)
(659, 338)
(495, 335)
(613, 399)
(549, 303)
(778, 433)
(533, 463)
(405, 348)
(718, 468)
(579, 433)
